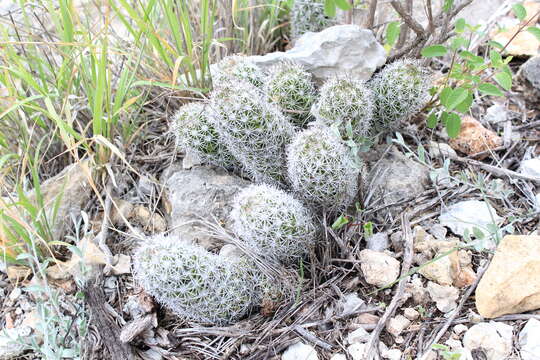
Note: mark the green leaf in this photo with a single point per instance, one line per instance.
(496, 59)
(439, 347)
(465, 104)
(444, 95)
(535, 31)
(455, 98)
(490, 89)
(520, 11)
(459, 42)
(496, 44)
(434, 50)
(460, 25)
(504, 80)
(343, 4)
(453, 125)
(392, 32)
(341, 221)
(443, 118)
(432, 121)
(368, 229)
(448, 5)
(329, 8)
(479, 234)
(470, 57)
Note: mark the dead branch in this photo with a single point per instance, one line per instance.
(497, 171)
(371, 15)
(100, 318)
(412, 23)
(131, 330)
(437, 30)
(312, 338)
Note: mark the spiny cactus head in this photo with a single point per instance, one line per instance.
(400, 90)
(192, 125)
(308, 15)
(193, 283)
(255, 131)
(273, 223)
(322, 169)
(236, 67)
(289, 86)
(347, 103)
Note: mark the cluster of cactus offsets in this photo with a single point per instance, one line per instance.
(290, 87)
(195, 133)
(322, 169)
(237, 68)
(255, 131)
(195, 284)
(348, 104)
(273, 223)
(400, 90)
(308, 15)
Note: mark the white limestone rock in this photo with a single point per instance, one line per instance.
(342, 50)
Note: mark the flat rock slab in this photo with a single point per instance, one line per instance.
(511, 284)
(196, 194)
(342, 50)
(467, 215)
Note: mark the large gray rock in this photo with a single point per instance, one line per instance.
(199, 193)
(395, 178)
(64, 196)
(345, 50)
(530, 71)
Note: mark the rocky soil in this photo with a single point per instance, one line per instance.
(441, 260)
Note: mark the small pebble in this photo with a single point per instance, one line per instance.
(460, 329)
(411, 314)
(14, 295)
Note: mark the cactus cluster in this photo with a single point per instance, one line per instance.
(253, 121)
(400, 90)
(195, 132)
(348, 104)
(308, 15)
(255, 131)
(193, 283)
(322, 169)
(237, 68)
(273, 223)
(290, 87)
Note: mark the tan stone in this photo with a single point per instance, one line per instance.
(18, 273)
(474, 138)
(379, 269)
(511, 284)
(439, 270)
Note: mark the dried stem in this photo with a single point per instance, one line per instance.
(371, 15)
